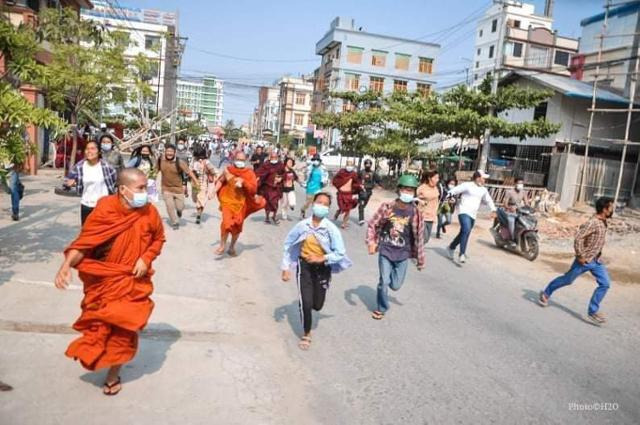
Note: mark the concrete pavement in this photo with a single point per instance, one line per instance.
(459, 345)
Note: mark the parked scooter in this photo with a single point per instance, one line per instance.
(526, 230)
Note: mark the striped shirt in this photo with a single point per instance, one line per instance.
(590, 239)
(108, 172)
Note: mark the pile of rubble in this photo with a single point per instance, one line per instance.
(563, 225)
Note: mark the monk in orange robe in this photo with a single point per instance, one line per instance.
(237, 190)
(113, 256)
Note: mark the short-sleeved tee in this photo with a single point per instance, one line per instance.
(514, 199)
(396, 237)
(171, 178)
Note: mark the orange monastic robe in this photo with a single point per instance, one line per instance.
(238, 203)
(116, 305)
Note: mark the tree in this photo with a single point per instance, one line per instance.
(87, 67)
(18, 46)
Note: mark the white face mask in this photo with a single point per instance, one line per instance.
(349, 168)
(273, 161)
(239, 164)
(519, 186)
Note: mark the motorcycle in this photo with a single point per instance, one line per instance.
(526, 231)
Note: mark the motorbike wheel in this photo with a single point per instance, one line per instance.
(532, 251)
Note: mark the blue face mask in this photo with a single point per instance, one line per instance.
(106, 147)
(406, 197)
(139, 200)
(320, 211)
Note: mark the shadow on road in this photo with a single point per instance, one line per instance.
(532, 296)
(292, 313)
(368, 297)
(155, 343)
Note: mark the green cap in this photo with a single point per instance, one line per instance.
(408, 180)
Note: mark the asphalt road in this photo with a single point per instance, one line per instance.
(459, 345)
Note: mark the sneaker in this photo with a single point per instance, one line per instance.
(15, 217)
(463, 258)
(452, 253)
(597, 318)
(543, 300)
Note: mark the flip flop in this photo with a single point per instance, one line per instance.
(377, 315)
(108, 388)
(305, 343)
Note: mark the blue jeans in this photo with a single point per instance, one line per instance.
(597, 269)
(392, 274)
(462, 239)
(14, 188)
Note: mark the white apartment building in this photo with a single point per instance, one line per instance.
(152, 33)
(201, 100)
(295, 106)
(512, 36)
(267, 111)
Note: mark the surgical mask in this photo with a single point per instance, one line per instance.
(451, 186)
(519, 186)
(320, 211)
(139, 200)
(239, 164)
(406, 197)
(145, 156)
(180, 146)
(274, 161)
(349, 168)
(106, 147)
(315, 163)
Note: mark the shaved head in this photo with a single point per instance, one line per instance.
(129, 176)
(350, 162)
(240, 156)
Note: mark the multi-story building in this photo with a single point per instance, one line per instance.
(619, 48)
(353, 59)
(511, 35)
(153, 33)
(295, 106)
(23, 12)
(266, 120)
(201, 99)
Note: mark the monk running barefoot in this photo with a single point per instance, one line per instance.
(236, 188)
(315, 248)
(348, 184)
(271, 175)
(113, 254)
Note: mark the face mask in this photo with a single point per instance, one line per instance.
(239, 164)
(139, 199)
(274, 161)
(451, 186)
(315, 163)
(106, 147)
(349, 168)
(406, 197)
(320, 211)
(145, 156)
(181, 147)
(519, 187)
(367, 167)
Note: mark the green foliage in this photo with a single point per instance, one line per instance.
(19, 46)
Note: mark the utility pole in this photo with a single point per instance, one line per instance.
(585, 162)
(279, 109)
(484, 154)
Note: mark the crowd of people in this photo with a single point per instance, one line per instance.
(122, 232)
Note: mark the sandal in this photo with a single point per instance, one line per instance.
(232, 252)
(108, 387)
(305, 343)
(377, 315)
(219, 251)
(276, 221)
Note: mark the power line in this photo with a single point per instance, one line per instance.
(238, 58)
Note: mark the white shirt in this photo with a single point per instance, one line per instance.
(471, 196)
(94, 186)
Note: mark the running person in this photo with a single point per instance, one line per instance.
(289, 178)
(316, 178)
(369, 180)
(314, 247)
(396, 232)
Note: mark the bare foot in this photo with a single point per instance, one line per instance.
(232, 252)
(220, 250)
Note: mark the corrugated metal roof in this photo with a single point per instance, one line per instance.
(571, 87)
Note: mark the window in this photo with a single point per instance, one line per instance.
(477, 64)
(540, 111)
(516, 24)
(424, 89)
(402, 61)
(354, 54)
(376, 84)
(378, 58)
(494, 25)
(517, 50)
(352, 81)
(298, 119)
(479, 52)
(399, 86)
(301, 98)
(537, 56)
(480, 33)
(491, 49)
(151, 42)
(562, 58)
(425, 65)
(475, 77)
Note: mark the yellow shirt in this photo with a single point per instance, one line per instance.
(310, 247)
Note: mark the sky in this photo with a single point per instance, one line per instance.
(279, 36)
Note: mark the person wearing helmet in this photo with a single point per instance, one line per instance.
(396, 232)
(317, 177)
(472, 195)
(369, 180)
